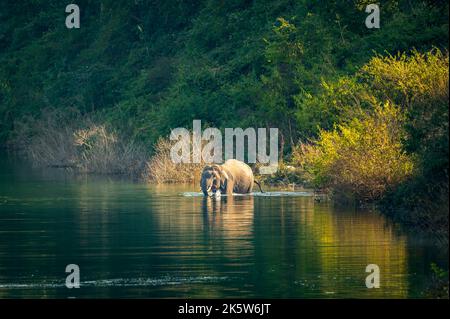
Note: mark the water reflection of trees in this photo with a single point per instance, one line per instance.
(314, 250)
(265, 246)
(348, 240)
(286, 246)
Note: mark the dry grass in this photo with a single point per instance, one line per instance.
(161, 169)
(69, 140)
(100, 150)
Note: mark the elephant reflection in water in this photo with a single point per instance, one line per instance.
(228, 223)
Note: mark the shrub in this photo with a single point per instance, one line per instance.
(47, 140)
(438, 285)
(101, 151)
(363, 157)
(419, 84)
(409, 79)
(72, 141)
(161, 169)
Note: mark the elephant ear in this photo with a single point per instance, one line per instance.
(206, 168)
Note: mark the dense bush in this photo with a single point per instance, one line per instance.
(72, 141)
(391, 140)
(363, 157)
(420, 84)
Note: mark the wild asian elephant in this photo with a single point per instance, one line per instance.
(231, 177)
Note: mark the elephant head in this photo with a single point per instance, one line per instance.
(213, 179)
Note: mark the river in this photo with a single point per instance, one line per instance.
(135, 240)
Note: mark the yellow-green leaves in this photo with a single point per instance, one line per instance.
(363, 157)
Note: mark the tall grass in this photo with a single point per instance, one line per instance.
(161, 169)
(72, 141)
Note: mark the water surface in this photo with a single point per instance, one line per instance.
(133, 240)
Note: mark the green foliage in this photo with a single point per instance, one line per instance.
(397, 152)
(419, 83)
(147, 66)
(363, 157)
(438, 287)
(338, 101)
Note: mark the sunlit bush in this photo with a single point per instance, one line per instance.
(363, 157)
(409, 79)
(419, 84)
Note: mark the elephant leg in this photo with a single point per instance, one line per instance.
(230, 188)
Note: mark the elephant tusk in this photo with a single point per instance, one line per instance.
(225, 174)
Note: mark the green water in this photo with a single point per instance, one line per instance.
(133, 240)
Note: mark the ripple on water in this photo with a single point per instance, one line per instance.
(119, 282)
(258, 194)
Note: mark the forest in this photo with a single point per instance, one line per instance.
(362, 113)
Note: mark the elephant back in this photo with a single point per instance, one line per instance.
(242, 176)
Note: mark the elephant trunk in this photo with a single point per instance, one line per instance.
(204, 187)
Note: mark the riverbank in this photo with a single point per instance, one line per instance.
(83, 145)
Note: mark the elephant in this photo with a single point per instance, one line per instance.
(231, 177)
